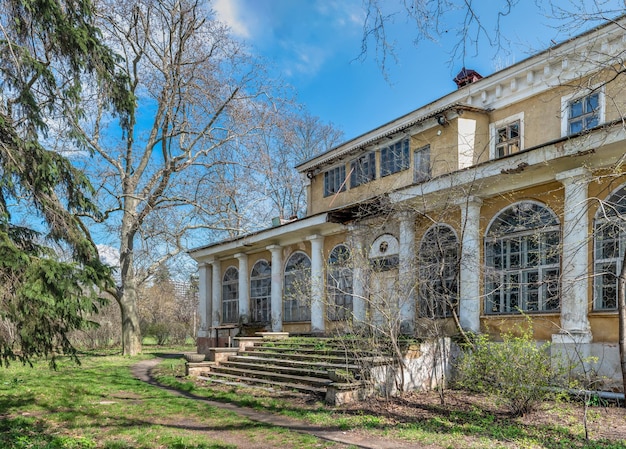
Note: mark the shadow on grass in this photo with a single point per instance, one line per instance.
(23, 432)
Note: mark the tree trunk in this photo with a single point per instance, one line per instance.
(131, 333)
(127, 294)
(621, 307)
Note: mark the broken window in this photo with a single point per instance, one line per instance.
(421, 164)
(508, 139)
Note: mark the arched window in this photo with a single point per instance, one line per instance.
(230, 296)
(438, 259)
(297, 294)
(522, 260)
(609, 244)
(339, 283)
(260, 292)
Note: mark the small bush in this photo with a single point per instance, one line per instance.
(516, 371)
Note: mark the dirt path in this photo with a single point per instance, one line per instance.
(142, 371)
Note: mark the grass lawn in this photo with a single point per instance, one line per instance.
(100, 405)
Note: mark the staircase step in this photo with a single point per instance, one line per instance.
(250, 381)
(271, 375)
(311, 350)
(294, 363)
(317, 358)
(304, 370)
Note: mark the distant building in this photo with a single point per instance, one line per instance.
(501, 199)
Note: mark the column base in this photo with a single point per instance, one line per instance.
(571, 352)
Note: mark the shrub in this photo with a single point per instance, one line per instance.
(517, 371)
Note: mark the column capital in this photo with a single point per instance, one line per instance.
(406, 215)
(315, 237)
(575, 174)
(240, 256)
(469, 201)
(273, 248)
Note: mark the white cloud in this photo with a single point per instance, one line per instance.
(229, 12)
(109, 255)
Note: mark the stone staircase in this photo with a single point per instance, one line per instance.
(326, 367)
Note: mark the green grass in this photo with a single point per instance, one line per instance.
(100, 405)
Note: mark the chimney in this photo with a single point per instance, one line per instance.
(466, 76)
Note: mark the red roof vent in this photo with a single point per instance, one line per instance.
(466, 76)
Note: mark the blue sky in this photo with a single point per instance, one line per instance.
(315, 45)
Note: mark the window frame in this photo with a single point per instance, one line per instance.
(339, 284)
(395, 157)
(230, 296)
(568, 100)
(500, 124)
(297, 303)
(363, 169)
(430, 305)
(261, 293)
(420, 175)
(522, 264)
(335, 180)
(602, 222)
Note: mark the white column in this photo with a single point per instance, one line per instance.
(216, 297)
(244, 288)
(317, 283)
(469, 305)
(575, 262)
(406, 272)
(277, 287)
(204, 298)
(359, 274)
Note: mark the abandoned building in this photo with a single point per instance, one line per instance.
(503, 201)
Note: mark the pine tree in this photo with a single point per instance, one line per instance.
(48, 49)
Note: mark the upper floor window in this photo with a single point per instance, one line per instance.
(334, 180)
(230, 296)
(583, 113)
(609, 246)
(363, 169)
(394, 158)
(506, 136)
(297, 299)
(522, 260)
(508, 139)
(421, 164)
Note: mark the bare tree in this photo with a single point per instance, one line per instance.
(289, 138)
(197, 92)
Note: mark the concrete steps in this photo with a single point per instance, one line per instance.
(306, 365)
